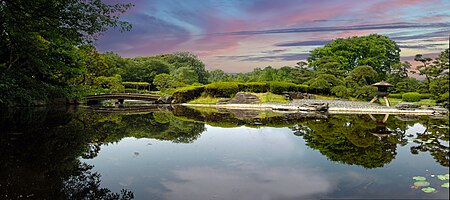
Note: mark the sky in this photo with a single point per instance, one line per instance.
(240, 35)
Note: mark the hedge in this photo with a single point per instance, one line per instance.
(426, 96)
(186, 94)
(396, 96)
(256, 87)
(411, 97)
(302, 88)
(280, 87)
(222, 89)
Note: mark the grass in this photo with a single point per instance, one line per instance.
(205, 100)
(270, 97)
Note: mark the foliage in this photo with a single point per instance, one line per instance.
(280, 87)
(218, 75)
(366, 92)
(144, 69)
(38, 45)
(186, 67)
(222, 89)
(205, 100)
(113, 84)
(256, 87)
(270, 97)
(345, 54)
(411, 97)
(396, 96)
(163, 81)
(340, 91)
(186, 94)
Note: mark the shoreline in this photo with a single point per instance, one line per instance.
(292, 107)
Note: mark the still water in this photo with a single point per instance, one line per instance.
(184, 153)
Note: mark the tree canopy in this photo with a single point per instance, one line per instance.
(39, 40)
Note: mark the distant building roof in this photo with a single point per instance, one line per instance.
(382, 83)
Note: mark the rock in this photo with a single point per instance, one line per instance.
(243, 98)
(166, 99)
(299, 95)
(439, 110)
(407, 106)
(223, 101)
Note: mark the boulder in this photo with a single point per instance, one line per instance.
(300, 95)
(407, 106)
(166, 99)
(242, 97)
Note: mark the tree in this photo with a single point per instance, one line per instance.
(162, 81)
(346, 54)
(38, 44)
(362, 75)
(144, 69)
(425, 68)
(218, 75)
(187, 60)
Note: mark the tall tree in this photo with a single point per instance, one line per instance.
(425, 68)
(346, 54)
(38, 41)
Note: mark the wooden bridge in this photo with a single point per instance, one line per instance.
(95, 99)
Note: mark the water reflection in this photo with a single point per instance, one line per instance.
(39, 160)
(41, 150)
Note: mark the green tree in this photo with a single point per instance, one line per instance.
(144, 69)
(189, 61)
(425, 69)
(38, 45)
(218, 75)
(346, 54)
(163, 81)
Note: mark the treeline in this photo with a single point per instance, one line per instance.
(344, 68)
(45, 55)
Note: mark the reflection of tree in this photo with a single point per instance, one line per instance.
(39, 159)
(86, 185)
(435, 139)
(348, 139)
(157, 125)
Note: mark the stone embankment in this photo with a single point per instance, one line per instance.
(332, 107)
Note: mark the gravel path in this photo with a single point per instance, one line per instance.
(338, 103)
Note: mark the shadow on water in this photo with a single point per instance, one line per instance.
(41, 148)
(40, 157)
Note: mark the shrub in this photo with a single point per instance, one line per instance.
(444, 97)
(302, 88)
(340, 91)
(426, 96)
(186, 94)
(396, 96)
(222, 89)
(256, 87)
(366, 92)
(411, 97)
(280, 87)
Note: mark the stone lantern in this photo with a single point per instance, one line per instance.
(382, 92)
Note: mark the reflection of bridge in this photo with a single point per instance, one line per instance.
(95, 99)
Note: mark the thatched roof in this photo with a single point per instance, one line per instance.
(382, 83)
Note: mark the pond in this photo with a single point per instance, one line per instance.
(187, 153)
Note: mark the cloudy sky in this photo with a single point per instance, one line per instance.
(239, 35)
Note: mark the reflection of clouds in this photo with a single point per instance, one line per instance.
(242, 180)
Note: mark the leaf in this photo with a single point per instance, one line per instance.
(419, 178)
(443, 177)
(428, 190)
(445, 185)
(421, 183)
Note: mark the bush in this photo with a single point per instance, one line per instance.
(444, 97)
(222, 89)
(186, 94)
(411, 97)
(340, 91)
(426, 96)
(280, 87)
(302, 88)
(396, 96)
(256, 87)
